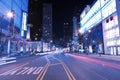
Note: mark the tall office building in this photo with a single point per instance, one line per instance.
(13, 24)
(75, 41)
(67, 34)
(47, 22)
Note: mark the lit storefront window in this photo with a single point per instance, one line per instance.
(119, 50)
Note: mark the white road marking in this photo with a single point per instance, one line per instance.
(13, 69)
(29, 71)
(38, 70)
(23, 71)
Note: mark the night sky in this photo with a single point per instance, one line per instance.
(63, 11)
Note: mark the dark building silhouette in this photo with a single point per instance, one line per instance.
(47, 22)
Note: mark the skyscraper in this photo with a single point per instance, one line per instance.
(75, 41)
(47, 22)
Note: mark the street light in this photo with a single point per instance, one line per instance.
(11, 15)
(89, 31)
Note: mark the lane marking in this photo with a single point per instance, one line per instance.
(30, 70)
(8, 72)
(69, 74)
(38, 70)
(47, 59)
(44, 70)
(55, 64)
(24, 71)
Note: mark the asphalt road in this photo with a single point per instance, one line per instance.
(61, 67)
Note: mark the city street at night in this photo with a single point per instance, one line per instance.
(59, 66)
(59, 39)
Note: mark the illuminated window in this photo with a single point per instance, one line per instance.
(116, 20)
(118, 42)
(112, 33)
(22, 33)
(117, 32)
(119, 50)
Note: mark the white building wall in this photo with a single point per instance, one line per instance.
(109, 11)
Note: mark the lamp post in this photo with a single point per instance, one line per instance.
(11, 15)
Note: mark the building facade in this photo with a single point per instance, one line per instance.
(47, 22)
(13, 29)
(47, 26)
(104, 15)
(75, 41)
(67, 35)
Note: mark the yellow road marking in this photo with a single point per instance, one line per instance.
(47, 59)
(44, 70)
(69, 74)
(55, 64)
(40, 77)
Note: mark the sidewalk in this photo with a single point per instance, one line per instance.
(108, 57)
(6, 59)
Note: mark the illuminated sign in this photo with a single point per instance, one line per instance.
(104, 2)
(97, 13)
(108, 9)
(91, 13)
(22, 33)
(24, 21)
